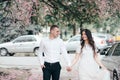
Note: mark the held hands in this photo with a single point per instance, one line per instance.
(69, 69)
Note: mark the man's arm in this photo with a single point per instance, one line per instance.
(64, 53)
(40, 53)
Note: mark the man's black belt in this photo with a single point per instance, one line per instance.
(51, 63)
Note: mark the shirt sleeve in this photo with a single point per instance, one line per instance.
(40, 52)
(64, 53)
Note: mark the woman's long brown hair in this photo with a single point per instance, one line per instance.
(90, 40)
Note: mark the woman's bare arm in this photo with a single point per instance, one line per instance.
(76, 58)
(97, 59)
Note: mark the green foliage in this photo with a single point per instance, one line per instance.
(80, 11)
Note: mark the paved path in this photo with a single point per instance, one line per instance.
(32, 64)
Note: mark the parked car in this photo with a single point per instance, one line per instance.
(112, 61)
(74, 42)
(22, 44)
(104, 50)
(107, 37)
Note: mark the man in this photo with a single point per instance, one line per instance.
(52, 47)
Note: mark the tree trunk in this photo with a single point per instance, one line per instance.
(74, 29)
(81, 27)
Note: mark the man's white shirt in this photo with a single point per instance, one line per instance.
(52, 49)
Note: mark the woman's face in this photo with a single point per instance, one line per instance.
(84, 36)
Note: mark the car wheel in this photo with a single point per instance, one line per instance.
(11, 54)
(3, 52)
(68, 51)
(115, 75)
(35, 51)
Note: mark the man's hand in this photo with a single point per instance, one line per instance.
(42, 66)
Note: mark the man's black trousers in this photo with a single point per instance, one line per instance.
(51, 70)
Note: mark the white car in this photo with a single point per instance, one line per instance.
(107, 37)
(22, 44)
(112, 61)
(74, 42)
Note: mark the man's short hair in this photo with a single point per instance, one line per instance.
(53, 26)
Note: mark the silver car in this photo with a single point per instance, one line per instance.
(112, 61)
(74, 42)
(107, 37)
(22, 44)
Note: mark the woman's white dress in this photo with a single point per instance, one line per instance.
(88, 68)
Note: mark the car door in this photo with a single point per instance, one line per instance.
(112, 60)
(29, 44)
(24, 44)
(108, 60)
(116, 54)
(17, 44)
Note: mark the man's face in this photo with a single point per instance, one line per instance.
(55, 32)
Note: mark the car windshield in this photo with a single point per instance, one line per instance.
(19, 39)
(111, 50)
(24, 39)
(76, 38)
(117, 50)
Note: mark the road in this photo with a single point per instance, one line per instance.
(32, 63)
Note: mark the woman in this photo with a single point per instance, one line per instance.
(90, 66)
